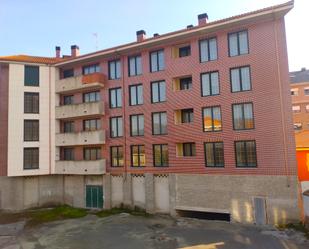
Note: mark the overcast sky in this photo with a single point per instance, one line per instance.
(35, 27)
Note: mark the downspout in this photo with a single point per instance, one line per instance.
(281, 105)
(49, 114)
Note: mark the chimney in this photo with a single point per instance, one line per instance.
(202, 19)
(190, 26)
(140, 35)
(74, 51)
(155, 35)
(58, 52)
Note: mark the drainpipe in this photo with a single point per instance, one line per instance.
(49, 114)
(281, 105)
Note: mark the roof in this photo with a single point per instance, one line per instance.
(31, 59)
(299, 76)
(254, 16)
(302, 139)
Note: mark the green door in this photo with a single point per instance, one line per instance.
(94, 196)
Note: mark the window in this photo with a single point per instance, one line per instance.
(92, 124)
(208, 50)
(306, 91)
(114, 70)
(243, 116)
(116, 127)
(92, 153)
(135, 65)
(188, 149)
(137, 125)
(245, 153)
(160, 155)
(212, 118)
(32, 76)
(68, 73)
(158, 91)
(185, 83)
(159, 123)
(138, 157)
(31, 102)
(31, 158)
(238, 43)
(136, 94)
(31, 130)
(157, 61)
(214, 154)
(68, 126)
(117, 156)
(296, 108)
(240, 79)
(91, 97)
(298, 126)
(68, 154)
(184, 51)
(210, 84)
(68, 100)
(115, 97)
(187, 115)
(294, 92)
(95, 68)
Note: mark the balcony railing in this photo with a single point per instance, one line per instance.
(95, 167)
(79, 110)
(82, 82)
(80, 138)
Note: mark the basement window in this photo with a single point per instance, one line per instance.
(204, 215)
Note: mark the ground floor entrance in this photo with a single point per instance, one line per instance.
(94, 196)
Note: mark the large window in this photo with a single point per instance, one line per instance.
(68, 73)
(135, 65)
(240, 79)
(93, 153)
(238, 43)
(32, 76)
(212, 118)
(95, 68)
(137, 125)
(214, 154)
(136, 94)
(116, 128)
(245, 152)
(208, 50)
(160, 155)
(68, 154)
(68, 126)
(157, 61)
(187, 115)
(31, 158)
(31, 130)
(185, 83)
(114, 70)
(92, 124)
(91, 97)
(188, 149)
(158, 91)
(210, 84)
(115, 97)
(296, 108)
(31, 102)
(117, 156)
(159, 123)
(138, 157)
(243, 116)
(68, 100)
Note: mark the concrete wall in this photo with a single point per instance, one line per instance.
(138, 191)
(116, 190)
(162, 194)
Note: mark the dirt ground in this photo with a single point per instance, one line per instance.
(125, 231)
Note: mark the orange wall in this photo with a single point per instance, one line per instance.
(303, 165)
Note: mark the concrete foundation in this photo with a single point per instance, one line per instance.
(228, 194)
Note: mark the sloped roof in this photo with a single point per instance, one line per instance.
(299, 76)
(31, 59)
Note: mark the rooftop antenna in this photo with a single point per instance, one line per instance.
(96, 40)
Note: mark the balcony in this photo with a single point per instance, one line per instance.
(79, 110)
(96, 167)
(80, 138)
(82, 82)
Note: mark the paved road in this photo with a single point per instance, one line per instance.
(130, 232)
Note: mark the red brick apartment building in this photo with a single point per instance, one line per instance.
(196, 120)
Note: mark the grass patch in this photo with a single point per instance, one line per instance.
(300, 227)
(136, 212)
